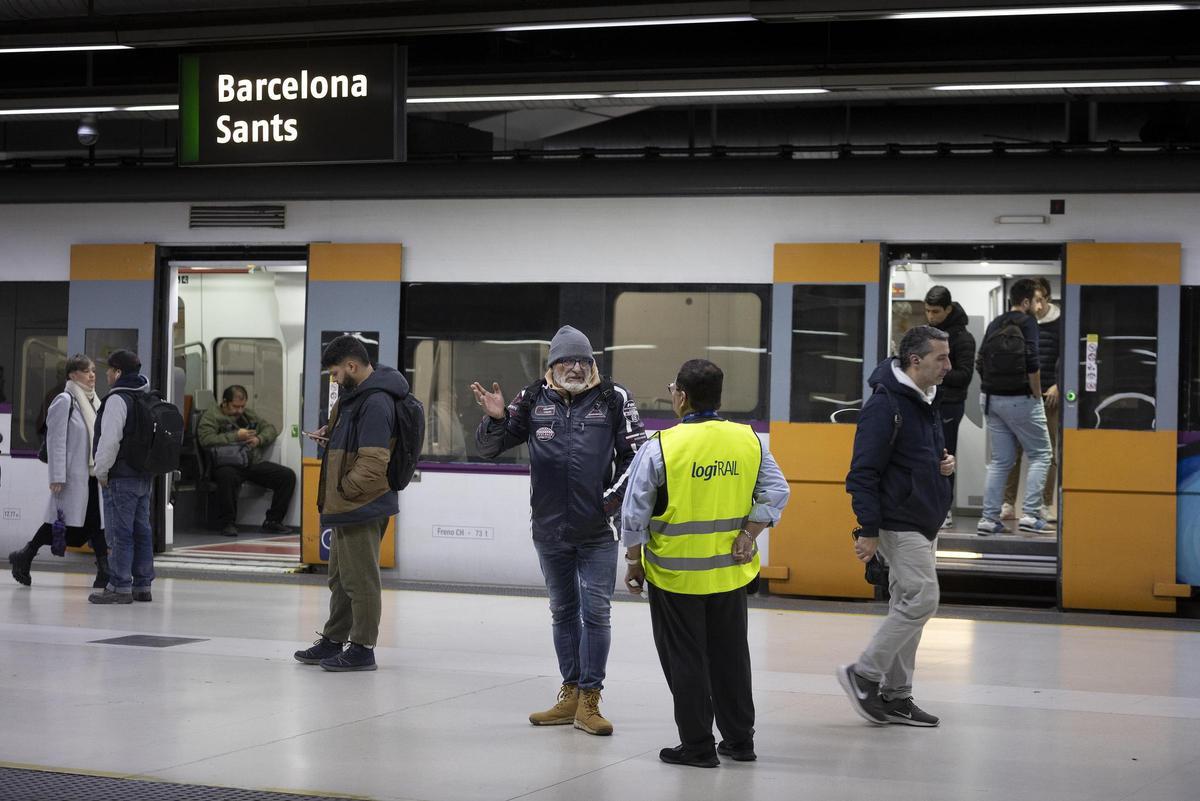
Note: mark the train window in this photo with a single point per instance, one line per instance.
(654, 332)
(1118, 357)
(43, 360)
(33, 330)
(1189, 359)
(255, 363)
(455, 334)
(827, 352)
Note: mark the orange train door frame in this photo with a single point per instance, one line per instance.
(1118, 531)
(350, 288)
(810, 549)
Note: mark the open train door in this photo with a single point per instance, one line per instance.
(352, 289)
(824, 342)
(1120, 375)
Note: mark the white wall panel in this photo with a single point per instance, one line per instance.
(621, 239)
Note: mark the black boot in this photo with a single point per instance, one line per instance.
(101, 573)
(21, 561)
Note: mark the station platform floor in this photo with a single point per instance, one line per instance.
(1030, 710)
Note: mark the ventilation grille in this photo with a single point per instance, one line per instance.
(237, 217)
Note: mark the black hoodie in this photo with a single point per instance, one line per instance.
(962, 356)
(898, 485)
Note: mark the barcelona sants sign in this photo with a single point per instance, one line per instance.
(309, 106)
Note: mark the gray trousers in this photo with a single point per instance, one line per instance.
(892, 653)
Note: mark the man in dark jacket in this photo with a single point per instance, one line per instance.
(899, 485)
(355, 501)
(943, 313)
(126, 489)
(1049, 323)
(582, 433)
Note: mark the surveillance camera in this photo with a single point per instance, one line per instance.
(87, 132)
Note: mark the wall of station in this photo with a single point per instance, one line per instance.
(712, 239)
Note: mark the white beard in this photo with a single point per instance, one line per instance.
(574, 387)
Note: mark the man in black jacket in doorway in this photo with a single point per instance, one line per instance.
(944, 314)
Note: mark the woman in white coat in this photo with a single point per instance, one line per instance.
(70, 424)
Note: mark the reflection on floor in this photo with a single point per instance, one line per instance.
(251, 550)
(1030, 711)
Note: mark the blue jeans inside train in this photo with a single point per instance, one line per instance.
(579, 579)
(1014, 420)
(127, 529)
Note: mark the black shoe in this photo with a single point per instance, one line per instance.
(101, 580)
(356, 657)
(229, 531)
(142, 595)
(21, 561)
(275, 527)
(863, 695)
(677, 756)
(321, 649)
(743, 752)
(110, 597)
(906, 713)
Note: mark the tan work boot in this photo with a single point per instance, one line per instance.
(561, 713)
(587, 715)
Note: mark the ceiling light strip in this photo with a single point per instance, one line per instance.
(63, 48)
(985, 87)
(624, 23)
(1045, 11)
(724, 93)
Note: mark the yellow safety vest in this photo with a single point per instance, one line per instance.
(711, 470)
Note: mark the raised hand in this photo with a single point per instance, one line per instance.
(492, 402)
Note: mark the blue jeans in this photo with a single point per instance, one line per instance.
(1014, 420)
(127, 529)
(580, 578)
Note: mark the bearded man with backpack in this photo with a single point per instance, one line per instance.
(126, 483)
(366, 436)
(1011, 398)
(582, 431)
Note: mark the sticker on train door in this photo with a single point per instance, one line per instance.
(1091, 370)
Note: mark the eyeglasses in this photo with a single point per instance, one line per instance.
(585, 363)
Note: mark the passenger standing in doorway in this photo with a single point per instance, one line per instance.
(899, 485)
(695, 549)
(582, 431)
(355, 501)
(234, 424)
(1049, 354)
(944, 314)
(1010, 370)
(126, 489)
(70, 462)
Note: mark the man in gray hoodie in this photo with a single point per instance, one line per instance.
(126, 489)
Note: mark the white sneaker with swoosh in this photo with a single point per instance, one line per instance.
(863, 695)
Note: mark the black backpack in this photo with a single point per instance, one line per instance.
(410, 437)
(153, 435)
(1001, 359)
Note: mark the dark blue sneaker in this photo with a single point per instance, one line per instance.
(356, 657)
(321, 649)
(863, 695)
(906, 713)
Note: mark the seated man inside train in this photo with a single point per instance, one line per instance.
(236, 440)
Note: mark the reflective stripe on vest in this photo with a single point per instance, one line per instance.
(711, 469)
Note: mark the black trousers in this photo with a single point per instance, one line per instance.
(90, 531)
(705, 656)
(952, 415)
(277, 478)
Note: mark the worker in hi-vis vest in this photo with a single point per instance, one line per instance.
(699, 495)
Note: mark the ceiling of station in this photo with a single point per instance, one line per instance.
(463, 55)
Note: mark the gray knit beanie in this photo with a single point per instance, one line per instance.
(569, 342)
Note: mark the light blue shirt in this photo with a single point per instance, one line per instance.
(649, 472)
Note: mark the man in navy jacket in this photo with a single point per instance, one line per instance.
(899, 485)
(582, 432)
